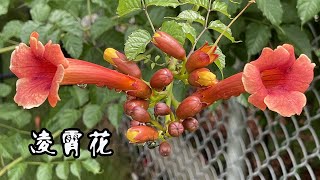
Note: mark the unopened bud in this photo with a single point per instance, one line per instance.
(134, 123)
(175, 129)
(202, 77)
(201, 58)
(190, 124)
(37, 122)
(120, 61)
(161, 109)
(189, 107)
(169, 45)
(161, 79)
(141, 134)
(140, 114)
(129, 105)
(164, 149)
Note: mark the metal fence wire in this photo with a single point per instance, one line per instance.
(234, 142)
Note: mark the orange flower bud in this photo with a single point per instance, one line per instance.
(120, 61)
(129, 105)
(202, 77)
(201, 58)
(141, 134)
(164, 149)
(191, 124)
(169, 45)
(161, 79)
(37, 122)
(175, 129)
(189, 107)
(140, 114)
(161, 109)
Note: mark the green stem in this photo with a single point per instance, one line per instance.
(15, 129)
(148, 17)
(6, 49)
(89, 9)
(157, 124)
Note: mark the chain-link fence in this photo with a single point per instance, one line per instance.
(234, 142)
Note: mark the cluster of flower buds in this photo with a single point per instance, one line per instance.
(161, 79)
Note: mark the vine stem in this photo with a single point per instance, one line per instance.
(15, 129)
(21, 158)
(229, 25)
(148, 17)
(6, 49)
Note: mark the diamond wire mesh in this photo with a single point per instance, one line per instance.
(234, 142)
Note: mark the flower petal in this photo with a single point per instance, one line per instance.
(251, 79)
(32, 92)
(36, 46)
(300, 75)
(257, 100)
(286, 103)
(53, 54)
(53, 97)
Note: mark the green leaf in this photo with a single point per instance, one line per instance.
(68, 118)
(175, 30)
(44, 172)
(202, 3)
(22, 119)
(92, 115)
(4, 6)
(243, 100)
(40, 12)
(91, 165)
(191, 16)
(220, 7)
(4, 90)
(12, 29)
(189, 31)
(115, 112)
(100, 26)
(297, 37)
(136, 43)
(62, 170)
(17, 171)
(221, 62)
(172, 3)
(272, 9)
(66, 22)
(125, 7)
(75, 169)
(73, 45)
(218, 26)
(101, 3)
(27, 29)
(257, 37)
(80, 95)
(307, 9)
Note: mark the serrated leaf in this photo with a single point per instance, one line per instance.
(27, 29)
(171, 3)
(221, 62)
(62, 170)
(191, 16)
(257, 37)
(308, 9)
(92, 115)
(4, 90)
(91, 165)
(220, 7)
(17, 172)
(202, 3)
(66, 22)
(4, 6)
(22, 119)
(299, 38)
(80, 95)
(218, 26)
(100, 26)
(114, 114)
(44, 172)
(12, 29)
(40, 12)
(175, 30)
(73, 44)
(58, 148)
(68, 118)
(75, 169)
(189, 31)
(125, 7)
(136, 43)
(272, 9)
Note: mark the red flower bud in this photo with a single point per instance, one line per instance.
(169, 45)
(37, 122)
(161, 109)
(121, 62)
(164, 149)
(189, 107)
(129, 105)
(161, 79)
(135, 123)
(202, 77)
(190, 124)
(141, 134)
(175, 129)
(140, 114)
(201, 58)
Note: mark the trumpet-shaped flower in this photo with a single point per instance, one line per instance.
(42, 69)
